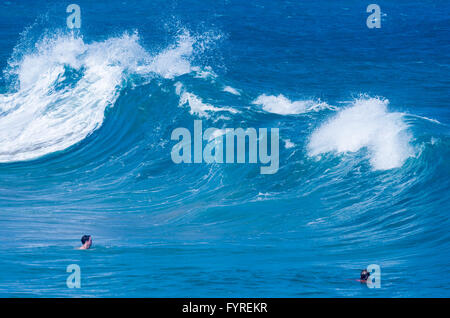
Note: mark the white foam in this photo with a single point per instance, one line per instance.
(231, 90)
(283, 106)
(196, 104)
(174, 61)
(367, 123)
(204, 73)
(425, 118)
(288, 144)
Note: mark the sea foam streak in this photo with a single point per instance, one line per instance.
(365, 124)
(283, 106)
(46, 114)
(196, 105)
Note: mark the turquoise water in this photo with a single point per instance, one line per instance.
(85, 139)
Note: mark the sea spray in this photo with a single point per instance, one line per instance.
(367, 123)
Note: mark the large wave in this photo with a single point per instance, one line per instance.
(65, 84)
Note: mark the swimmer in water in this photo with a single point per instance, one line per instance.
(86, 240)
(364, 276)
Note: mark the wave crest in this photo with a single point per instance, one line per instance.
(283, 106)
(366, 124)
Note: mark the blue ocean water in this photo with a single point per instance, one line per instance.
(86, 118)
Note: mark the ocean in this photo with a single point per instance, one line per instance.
(86, 122)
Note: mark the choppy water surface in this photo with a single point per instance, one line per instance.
(86, 119)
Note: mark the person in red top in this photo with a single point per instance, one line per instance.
(364, 276)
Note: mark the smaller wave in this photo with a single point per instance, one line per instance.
(283, 106)
(367, 123)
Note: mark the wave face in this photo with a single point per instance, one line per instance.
(85, 142)
(65, 85)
